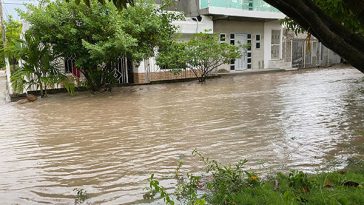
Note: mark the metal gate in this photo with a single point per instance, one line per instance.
(120, 67)
(297, 53)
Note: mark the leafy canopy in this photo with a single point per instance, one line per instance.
(202, 54)
(340, 11)
(98, 33)
(13, 30)
(39, 67)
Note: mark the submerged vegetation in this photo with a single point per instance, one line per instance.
(233, 184)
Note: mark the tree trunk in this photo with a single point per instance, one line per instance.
(338, 38)
(41, 89)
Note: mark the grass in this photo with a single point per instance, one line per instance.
(231, 184)
(323, 188)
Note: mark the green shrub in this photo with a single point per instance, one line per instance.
(232, 184)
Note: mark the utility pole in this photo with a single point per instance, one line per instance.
(2, 22)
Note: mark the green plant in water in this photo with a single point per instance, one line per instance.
(155, 188)
(232, 184)
(81, 196)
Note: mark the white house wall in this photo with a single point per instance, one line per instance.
(192, 25)
(268, 27)
(244, 27)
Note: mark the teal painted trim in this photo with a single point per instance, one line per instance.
(247, 5)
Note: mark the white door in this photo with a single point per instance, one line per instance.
(241, 40)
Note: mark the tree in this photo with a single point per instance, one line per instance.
(97, 34)
(13, 31)
(202, 54)
(121, 4)
(339, 24)
(39, 68)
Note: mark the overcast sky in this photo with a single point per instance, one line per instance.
(10, 6)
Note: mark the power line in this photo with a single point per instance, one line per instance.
(19, 1)
(13, 3)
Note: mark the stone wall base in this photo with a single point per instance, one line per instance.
(141, 78)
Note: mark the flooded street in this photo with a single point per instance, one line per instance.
(109, 144)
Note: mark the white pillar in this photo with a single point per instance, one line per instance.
(8, 77)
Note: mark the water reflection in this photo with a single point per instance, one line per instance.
(110, 143)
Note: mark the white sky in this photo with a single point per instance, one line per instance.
(10, 6)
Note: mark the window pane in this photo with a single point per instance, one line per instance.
(276, 36)
(222, 37)
(275, 51)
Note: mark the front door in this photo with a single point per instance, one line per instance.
(241, 40)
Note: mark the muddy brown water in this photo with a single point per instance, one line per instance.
(109, 144)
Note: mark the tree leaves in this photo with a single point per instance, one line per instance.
(120, 4)
(97, 34)
(202, 54)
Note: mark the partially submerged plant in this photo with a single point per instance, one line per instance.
(81, 196)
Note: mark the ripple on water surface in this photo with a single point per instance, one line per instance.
(109, 144)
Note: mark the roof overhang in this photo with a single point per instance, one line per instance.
(242, 13)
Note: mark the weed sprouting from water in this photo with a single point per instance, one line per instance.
(81, 196)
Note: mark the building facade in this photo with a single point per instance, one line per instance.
(253, 25)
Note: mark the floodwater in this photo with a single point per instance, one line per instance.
(109, 144)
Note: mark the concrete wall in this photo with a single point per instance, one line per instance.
(246, 27)
(188, 7)
(191, 25)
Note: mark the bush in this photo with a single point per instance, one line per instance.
(231, 184)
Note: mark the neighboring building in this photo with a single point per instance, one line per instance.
(238, 22)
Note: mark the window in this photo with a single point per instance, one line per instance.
(249, 51)
(232, 39)
(69, 64)
(276, 43)
(222, 37)
(250, 5)
(257, 41)
(232, 64)
(232, 42)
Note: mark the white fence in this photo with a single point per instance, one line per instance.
(303, 53)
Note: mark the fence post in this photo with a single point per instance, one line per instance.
(328, 57)
(291, 52)
(304, 54)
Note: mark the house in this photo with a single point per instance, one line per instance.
(252, 23)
